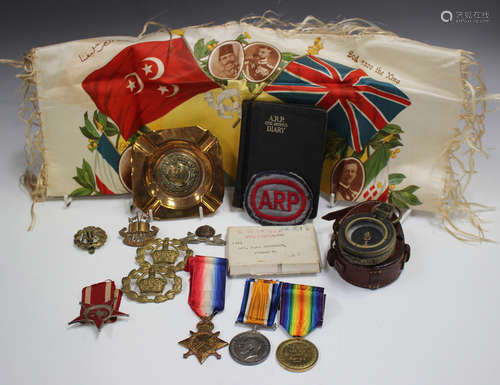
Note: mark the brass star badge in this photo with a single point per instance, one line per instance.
(203, 343)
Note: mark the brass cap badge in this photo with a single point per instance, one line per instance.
(90, 238)
(139, 231)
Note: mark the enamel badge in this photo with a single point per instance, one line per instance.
(100, 304)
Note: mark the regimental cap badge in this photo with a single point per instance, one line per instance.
(157, 278)
(204, 234)
(139, 231)
(90, 238)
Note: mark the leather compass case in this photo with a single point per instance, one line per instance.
(370, 276)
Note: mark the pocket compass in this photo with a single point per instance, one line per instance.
(369, 238)
(368, 246)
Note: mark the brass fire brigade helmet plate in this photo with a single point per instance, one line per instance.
(176, 170)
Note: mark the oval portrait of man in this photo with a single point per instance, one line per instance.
(261, 60)
(347, 179)
(226, 60)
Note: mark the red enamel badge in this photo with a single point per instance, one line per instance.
(100, 303)
(278, 198)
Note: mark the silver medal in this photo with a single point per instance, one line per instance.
(249, 348)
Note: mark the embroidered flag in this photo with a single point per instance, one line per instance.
(207, 286)
(141, 84)
(106, 161)
(100, 303)
(378, 188)
(260, 302)
(358, 106)
(302, 308)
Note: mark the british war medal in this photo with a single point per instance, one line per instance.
(258, 308)
(207, 293)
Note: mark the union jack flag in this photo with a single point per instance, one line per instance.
(358, 106)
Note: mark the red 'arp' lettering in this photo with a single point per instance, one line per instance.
(279, 198)
(293, 198)
(265, 200)
(282, 195)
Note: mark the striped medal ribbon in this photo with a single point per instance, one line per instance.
(207, 287)
(260, 302)
(301, 308)
(207, 293)
(258, 308)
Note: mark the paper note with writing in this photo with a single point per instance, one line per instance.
(270, 250)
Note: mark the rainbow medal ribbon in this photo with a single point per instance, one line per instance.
(258, 308)
(301, 310)
(207, 292)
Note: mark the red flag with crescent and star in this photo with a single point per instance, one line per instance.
(145, 81)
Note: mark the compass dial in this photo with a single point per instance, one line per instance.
(365, 239)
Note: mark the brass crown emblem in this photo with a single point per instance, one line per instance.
(152, 278)
(139, 231)
(151, 284)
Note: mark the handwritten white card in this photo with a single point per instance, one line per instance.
(271, 250)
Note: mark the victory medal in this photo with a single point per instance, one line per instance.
(301, 311)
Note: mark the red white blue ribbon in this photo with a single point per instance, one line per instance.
(207, 287)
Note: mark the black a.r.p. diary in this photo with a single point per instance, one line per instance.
(281, 137)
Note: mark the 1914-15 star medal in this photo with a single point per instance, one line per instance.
(203, 343)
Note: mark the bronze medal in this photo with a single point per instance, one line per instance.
(207, 294)
(297, 354)
(203, 343)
